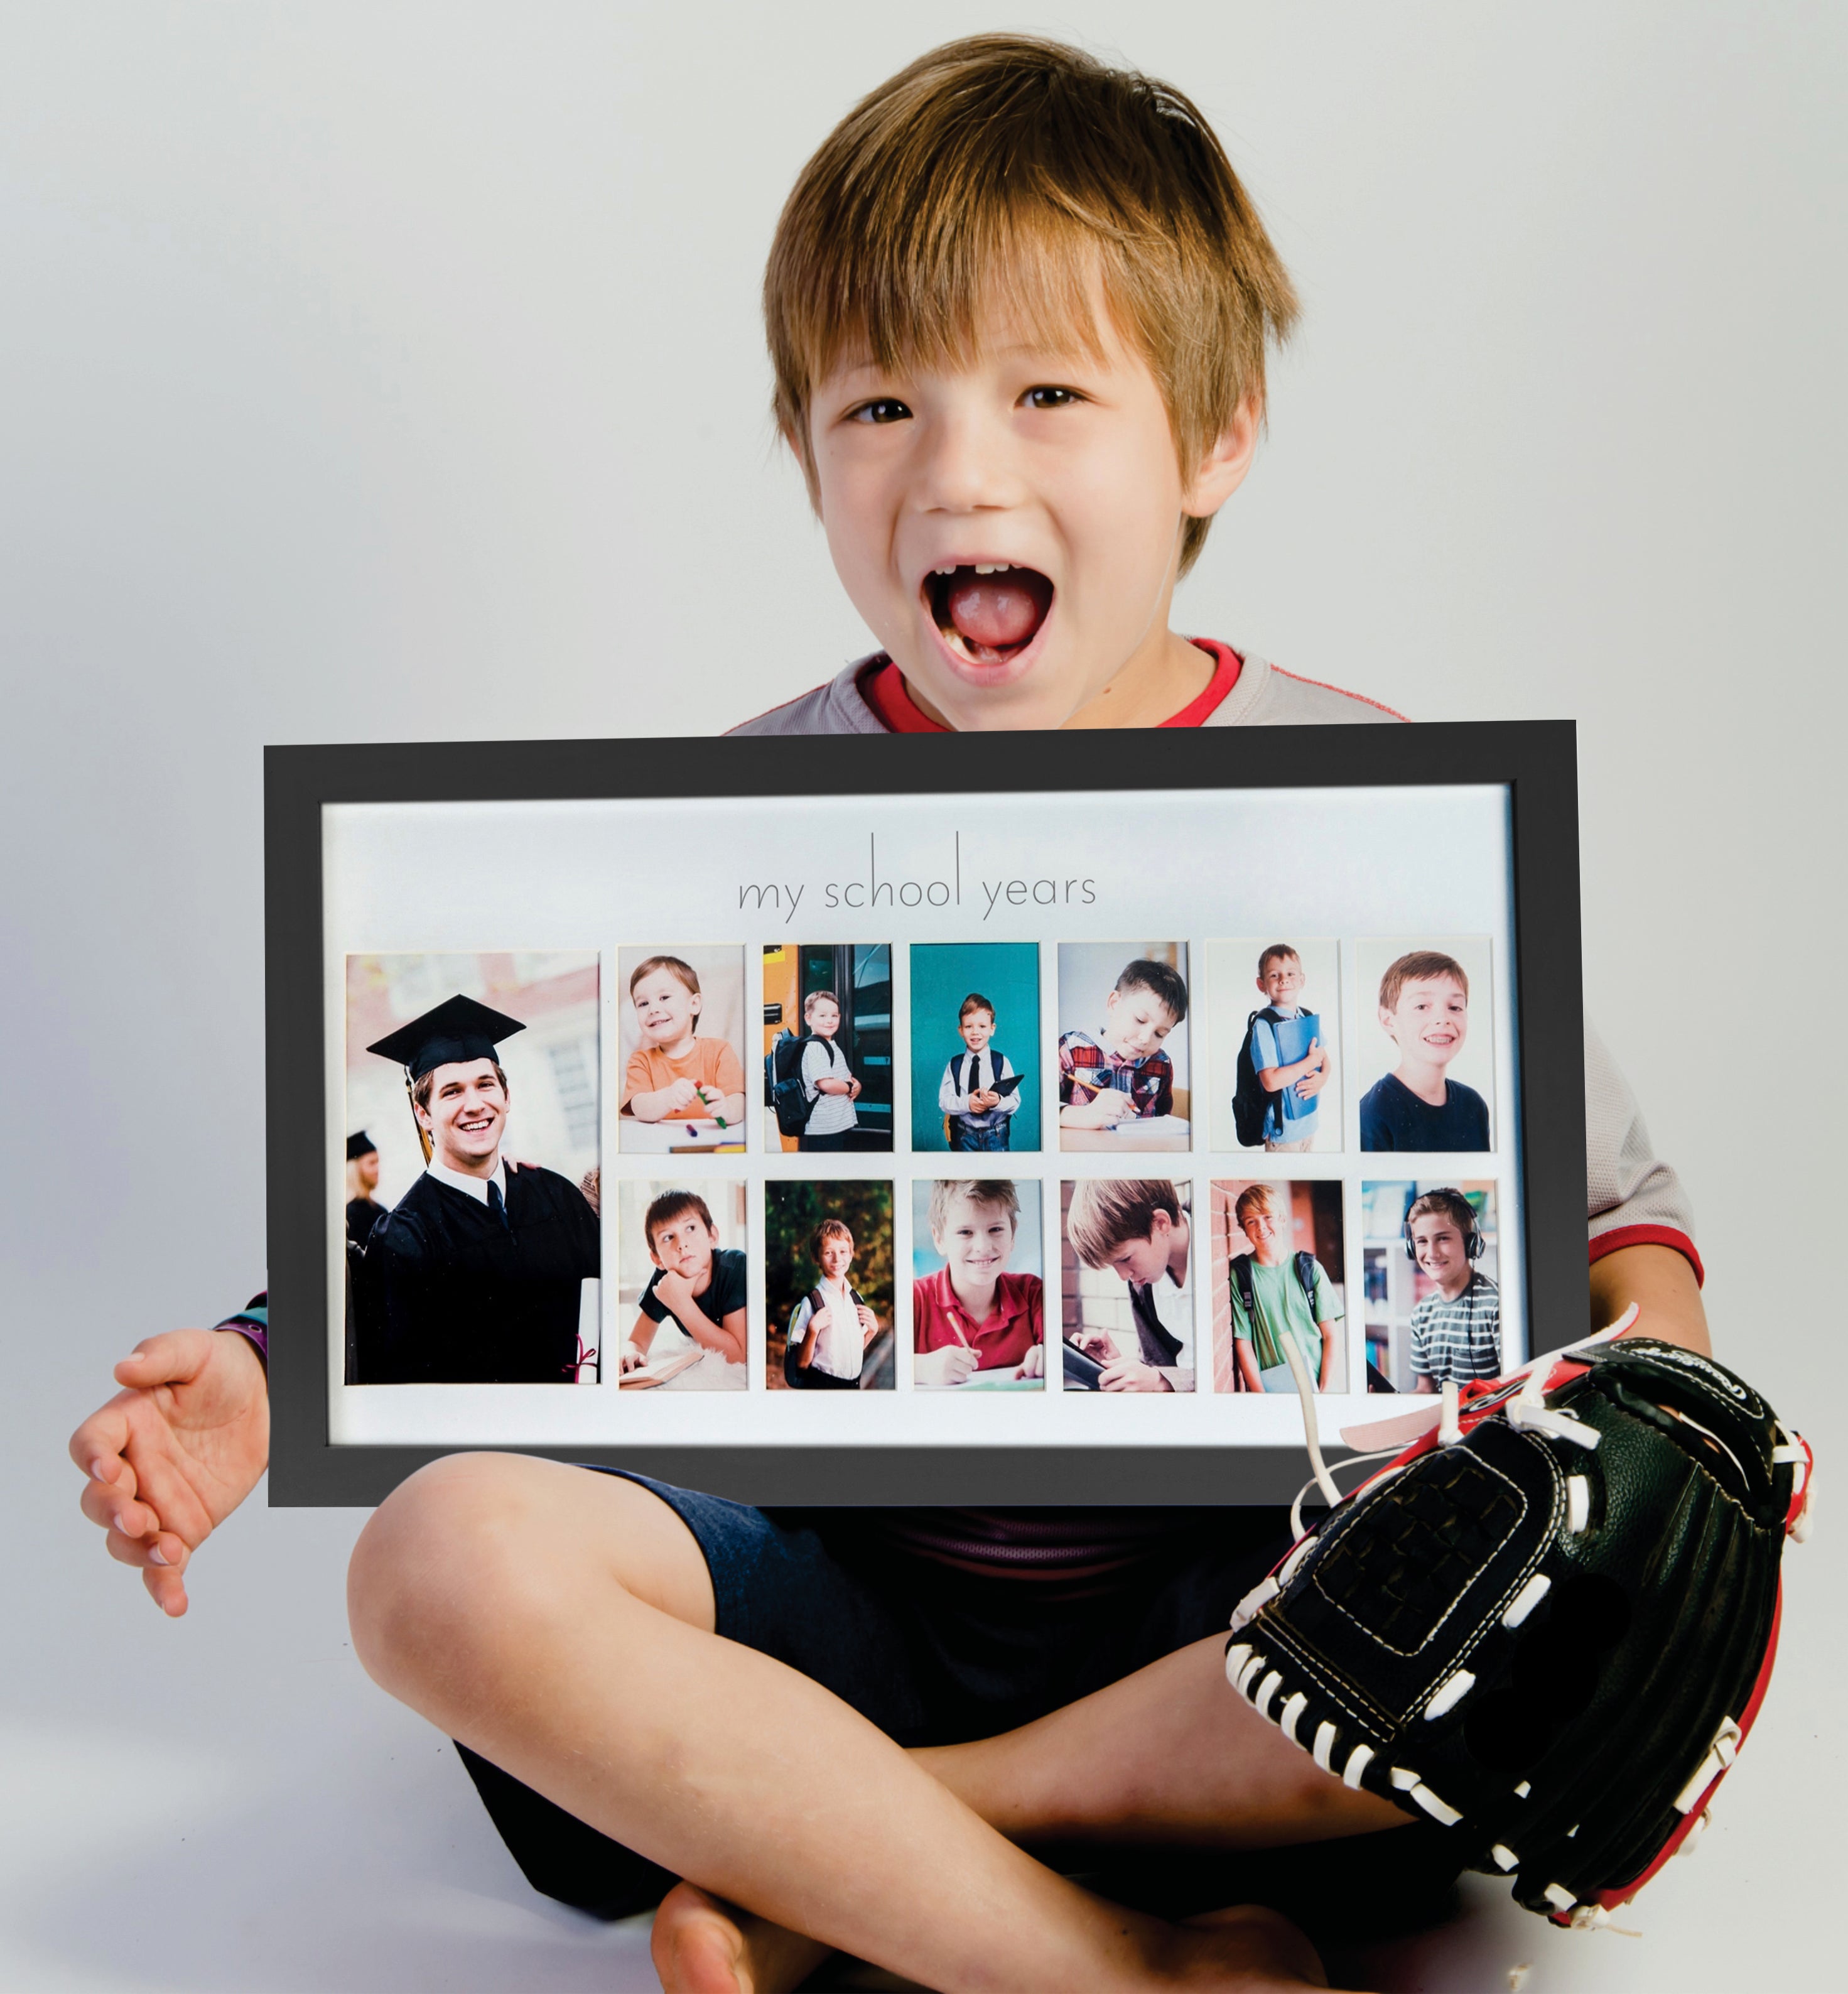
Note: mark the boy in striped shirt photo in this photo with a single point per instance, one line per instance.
(1455, 1333)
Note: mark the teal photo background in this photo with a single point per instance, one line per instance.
(943, 974)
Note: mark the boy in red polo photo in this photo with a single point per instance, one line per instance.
(974, 1315)
(1018, 308)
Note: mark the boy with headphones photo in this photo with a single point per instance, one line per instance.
(1455, 1333)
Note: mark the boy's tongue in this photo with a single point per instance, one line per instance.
(996, 612)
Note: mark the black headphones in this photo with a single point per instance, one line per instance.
(1459, 1208)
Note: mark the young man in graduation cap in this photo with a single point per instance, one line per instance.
(364, 1211)
(479, 1267)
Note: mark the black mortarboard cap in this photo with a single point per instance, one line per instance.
(361, 1145)
(455, 1032)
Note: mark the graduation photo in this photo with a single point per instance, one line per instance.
(473, 1106)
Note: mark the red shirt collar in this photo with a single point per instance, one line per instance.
(882, 686)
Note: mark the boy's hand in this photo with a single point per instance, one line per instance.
(678, 1096)
(983, 1099)
(1313, 1081)
(949, 1366)
(675, 1290)
(1114, 1106)
(175, 1452)
(869, 1323)
(632, 1359)
(1034, 1364)
(820, 1321)
(853, 1089)
(1126, 1375)
(1097, 1344)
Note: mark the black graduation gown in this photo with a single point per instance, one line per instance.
(362, 1214)
(464, 1300)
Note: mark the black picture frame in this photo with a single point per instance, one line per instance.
(1536, 761)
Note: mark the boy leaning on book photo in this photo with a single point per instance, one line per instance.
(1018, 308)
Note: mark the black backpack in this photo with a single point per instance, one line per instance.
(1248, 1289)
(783, 1091)
(1249, 1100)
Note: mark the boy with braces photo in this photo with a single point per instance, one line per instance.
(1018, 308)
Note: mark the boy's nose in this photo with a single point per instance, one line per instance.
(962, 466)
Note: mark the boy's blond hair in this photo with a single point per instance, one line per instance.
(1420, 965)
(1258, 1197)
(981, 1191)
(1010, 152)
(1107, 1213)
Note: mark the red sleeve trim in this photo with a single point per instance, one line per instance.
(1649, 1235)
(1359, 698)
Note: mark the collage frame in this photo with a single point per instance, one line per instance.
(1533, 763)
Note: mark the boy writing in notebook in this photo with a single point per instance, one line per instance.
(1120, 1073)
(1018, 308)
(675, 1070)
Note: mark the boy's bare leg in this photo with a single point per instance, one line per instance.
(560, 1623)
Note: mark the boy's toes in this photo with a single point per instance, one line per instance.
(696, 1945)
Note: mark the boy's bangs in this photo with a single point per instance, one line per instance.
(931, 297)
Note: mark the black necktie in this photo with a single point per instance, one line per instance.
(496, 1203)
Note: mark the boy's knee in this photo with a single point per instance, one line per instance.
(437, 1562)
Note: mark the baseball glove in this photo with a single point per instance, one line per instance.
(1549, 1623)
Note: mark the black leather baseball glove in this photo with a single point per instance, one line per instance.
(1549, 1624)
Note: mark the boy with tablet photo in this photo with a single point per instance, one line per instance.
(1018, 308)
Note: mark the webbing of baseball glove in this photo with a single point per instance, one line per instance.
(1549, 1624)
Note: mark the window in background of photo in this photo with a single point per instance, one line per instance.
(721, 1019)
(1088, 973)
(1472, 1064)
(1233, 1000)
(793, 1210)
(1315, 1229)
(675, 1362)
(859, 975)
(1096, 1302)
(942, 974)
(1395, 1284)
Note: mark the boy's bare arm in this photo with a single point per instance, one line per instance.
(676, 1293)
(1662, 1283)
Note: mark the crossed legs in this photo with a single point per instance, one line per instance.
(561, 1624)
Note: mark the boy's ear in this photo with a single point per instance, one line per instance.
(1223, 469)
(1386, 1021)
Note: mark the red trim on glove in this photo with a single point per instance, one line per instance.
(1621, 1236)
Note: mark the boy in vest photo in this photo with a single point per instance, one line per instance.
(1018, 308)
(980, 1090)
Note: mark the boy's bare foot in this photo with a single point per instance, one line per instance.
(701, 1945)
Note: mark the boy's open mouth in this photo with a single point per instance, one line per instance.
(990, 612)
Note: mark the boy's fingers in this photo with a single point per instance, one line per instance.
(97, 1445)
(167, 1590)
(173, 1356)
(112, 1505)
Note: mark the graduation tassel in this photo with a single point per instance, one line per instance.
(423, 1134)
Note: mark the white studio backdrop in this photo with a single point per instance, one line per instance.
(394, 373)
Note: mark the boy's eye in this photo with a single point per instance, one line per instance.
(1049, 398)
(887, 408)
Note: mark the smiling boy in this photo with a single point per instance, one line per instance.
(479, 1268)
(972, 1314)
(1424, 1010)
(1455, 1333)
(1017, 306)
(979, 1092)
(675, 1071)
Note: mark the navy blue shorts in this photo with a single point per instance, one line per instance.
(934, 1656)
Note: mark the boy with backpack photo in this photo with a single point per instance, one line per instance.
(1278, 1293)
(1284, 1060)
